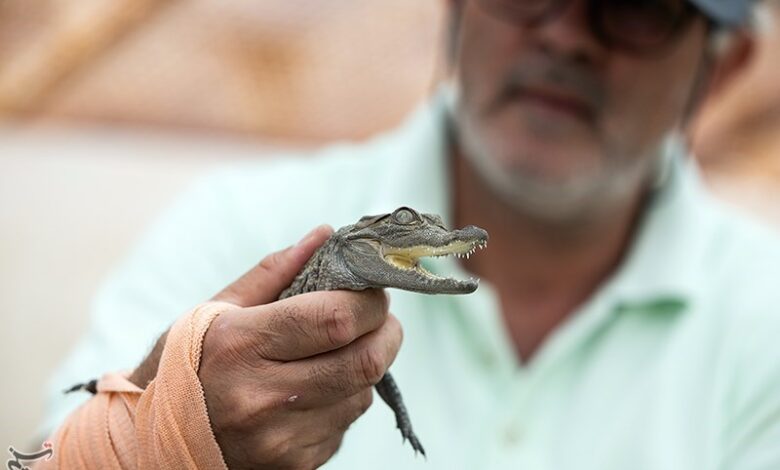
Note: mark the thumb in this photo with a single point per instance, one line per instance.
(264, 282)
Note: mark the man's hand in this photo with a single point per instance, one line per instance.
(284, 379)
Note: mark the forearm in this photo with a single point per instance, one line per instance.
(125, 424)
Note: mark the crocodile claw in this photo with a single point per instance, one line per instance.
(409, 434)
(390, 393)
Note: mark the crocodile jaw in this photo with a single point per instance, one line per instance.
(408, 260)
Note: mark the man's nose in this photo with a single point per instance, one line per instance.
(569, 33)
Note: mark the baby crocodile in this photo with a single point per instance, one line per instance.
(384, 251)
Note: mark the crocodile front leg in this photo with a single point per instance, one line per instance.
(391, 395)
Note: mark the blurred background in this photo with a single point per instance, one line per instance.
(108, 108)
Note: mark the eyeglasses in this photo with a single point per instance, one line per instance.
(638, 26)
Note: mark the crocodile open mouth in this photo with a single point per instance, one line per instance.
(409, 258)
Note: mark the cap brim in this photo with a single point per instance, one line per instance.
(725, 12)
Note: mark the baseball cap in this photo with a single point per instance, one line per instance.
(725, 12)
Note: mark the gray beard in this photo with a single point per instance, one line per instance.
(587, 196)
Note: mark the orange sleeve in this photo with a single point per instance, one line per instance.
(165, 426)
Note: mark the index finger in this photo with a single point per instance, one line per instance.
(309, 324)
(266, 280)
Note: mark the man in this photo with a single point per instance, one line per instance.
(625, 320)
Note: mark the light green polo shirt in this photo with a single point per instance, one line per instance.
(673, 364)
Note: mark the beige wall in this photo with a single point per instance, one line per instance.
(306, 69)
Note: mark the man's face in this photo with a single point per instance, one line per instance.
(559, 120)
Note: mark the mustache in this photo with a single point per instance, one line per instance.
(567, 77)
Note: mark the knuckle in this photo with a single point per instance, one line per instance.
(338, 324)
(271, 262)
(282, 446)
(223, 348)
(277, 447)
(324, 452)
(236, 410)
(365, 400)
(259, 410)
(235, 399)
(371, 363)
(351, 409)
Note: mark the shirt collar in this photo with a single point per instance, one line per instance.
(666, 263)
(661, 273)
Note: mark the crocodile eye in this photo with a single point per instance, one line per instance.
(404, 216)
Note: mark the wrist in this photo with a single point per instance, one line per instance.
(147, 370)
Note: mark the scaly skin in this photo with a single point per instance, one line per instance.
(383, 251)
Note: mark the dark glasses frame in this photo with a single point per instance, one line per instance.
(604, 18)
